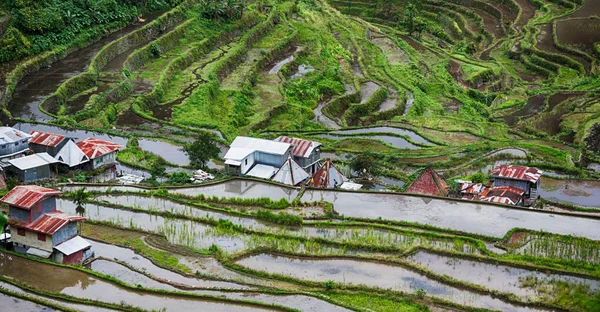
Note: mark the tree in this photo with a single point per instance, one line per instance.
(412, 19)
(363, 164)
(80, 197)
(592, 141)
(158, 169)
(202, 150)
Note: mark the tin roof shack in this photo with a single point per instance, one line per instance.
(525, 178)
(41, 230)
(470, 190)
(291, 173)
(33, 167)
(507, 194)
(429, 182)
(13, 142)
(46, 142)
(306, 153)
(245, 153)
(101, 153)
(328, 176)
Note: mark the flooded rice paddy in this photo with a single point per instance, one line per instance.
(580, 193)
(582, 33)
(82, 285)
(370, 274)
(13, 304)
(397, 142)
(398, 131)
(494, 276)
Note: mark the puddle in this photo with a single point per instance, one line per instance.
(37, 86)
(413, 136)
(462, 216)
(168, 151)
(534, 105)
(275, 69)
(81, 285)
(581, 33)
(397, 142)
(495, 277)
(371, 274)
(580, 193)
(303, 70)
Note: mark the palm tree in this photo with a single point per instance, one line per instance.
(80, 197)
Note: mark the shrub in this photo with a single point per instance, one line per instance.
(329, 285)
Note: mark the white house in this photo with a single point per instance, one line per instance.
(256, 157)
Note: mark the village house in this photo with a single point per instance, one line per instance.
(256, 157)
(38, 229)
(524, 178)
(71, 155)
(507, 194)
(101, 153)
(291, 173)
(32, 168)
(13, 142)
(429, 183)
(46, 142)
(328, 176)
(306, 153)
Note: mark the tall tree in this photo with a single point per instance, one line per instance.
(80, 197)
(592, 141)
(202, 150)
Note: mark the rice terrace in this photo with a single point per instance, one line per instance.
(300, 155)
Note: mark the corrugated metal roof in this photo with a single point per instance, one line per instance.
(262, 145)
(72, 246)
(471, 188)
(328, 176)
(95, 148)
(70, 154)
(38, 253)
(33, 161)
(520, 173)
(9, 135)
(506, 194)
(26, 196)
(291, 173)
(302, 148)
(45, 138)
(50, 223)
(238, 154)
(428, 183)
(262, 171)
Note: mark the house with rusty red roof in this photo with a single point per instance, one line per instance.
(524, 178)
(507, 194)
(328, 176)
(46, 142)
(306, 153)
(429, 182)
(41, 229)
(470, 190)
(101, 153)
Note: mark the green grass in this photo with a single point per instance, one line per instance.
(378, 303)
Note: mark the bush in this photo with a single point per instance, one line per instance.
(281, 218)
(329, 285)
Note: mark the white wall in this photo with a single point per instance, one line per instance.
(31, 239)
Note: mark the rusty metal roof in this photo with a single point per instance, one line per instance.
(27, 196)
(94, 148)
(520, 173)
(506, 194)
(328, 176)
(428, 183)
(471, 188)
(302, 148)
(45, 138)
(50, 223)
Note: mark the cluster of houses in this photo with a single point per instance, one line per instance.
(286, 160)
(33, 156)
(509, 184)
(39, 229)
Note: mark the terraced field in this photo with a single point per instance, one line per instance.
(478, 83)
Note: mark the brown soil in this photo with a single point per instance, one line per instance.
(527, 12)
(546, 42)
(491, 24)
(455, 70)
(579, 33)
(517, 239)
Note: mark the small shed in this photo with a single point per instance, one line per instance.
(328, 176)
(429, 182)
(291, 173)
(101, 153)
(261, 171)
(46, 142)
(508, 195)
(71, 155)
(525, 178)
(33, 167)
(13, 142)
(306, 153)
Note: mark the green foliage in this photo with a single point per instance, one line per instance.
(278, 218)
(329, 285)
(202, 150)
(364, 164)
(179, 177)
(155, 50)
(592, 140)
(222, 9)
(478, 177)
(158, 169)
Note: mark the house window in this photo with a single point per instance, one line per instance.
(41, 237)
(16, 143)
(246, 161)
(21, 232)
